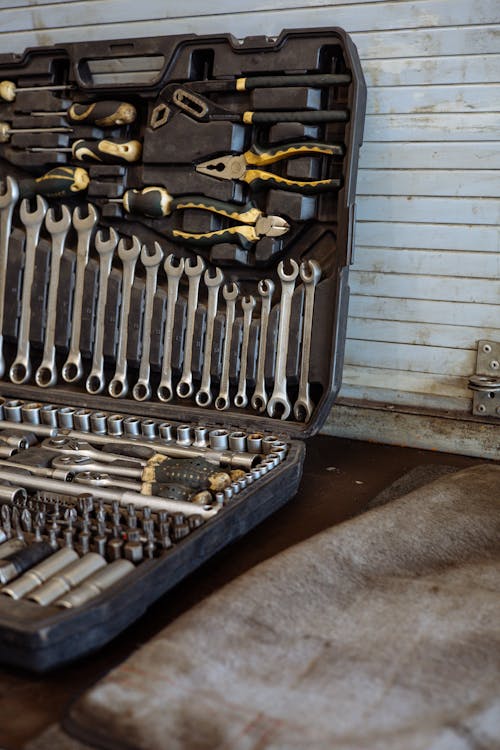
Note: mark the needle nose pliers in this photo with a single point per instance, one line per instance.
(236, 167)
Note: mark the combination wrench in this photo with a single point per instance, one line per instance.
(193, 271)
(46, 375)
(142, 389)
(247, 305)
(105, 249)
(279, 400)
(259, 398)
(20, 370)
(213, 284)
(72, 369)
(164, 391)
(230, 293)
(8, 200)
(118, 386)
(310, 273)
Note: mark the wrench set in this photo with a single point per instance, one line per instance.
(174, 263)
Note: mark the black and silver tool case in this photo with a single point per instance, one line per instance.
(252, 145)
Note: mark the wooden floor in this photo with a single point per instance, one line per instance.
(340, 478)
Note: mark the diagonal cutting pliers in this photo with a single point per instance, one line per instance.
(246, 167)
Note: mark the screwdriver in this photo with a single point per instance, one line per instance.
(6, 131)
(105, 114)
(105, 152)
(8, 89)
(56, 183)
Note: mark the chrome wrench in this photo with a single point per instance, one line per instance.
(105, 249)
(259, 398)
(20, 370)
(72, 369)
(74, 447)
(279, 399)
(193, 271)
(142, 389)
(77, 463)
(230, 293)
(310, 273)
(247, 305)
(101, 479)
(213, 283)
(8, 200)
(118, 386)
(46, 375)
(174, 273)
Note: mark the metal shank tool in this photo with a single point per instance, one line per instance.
(230, 293)
(142, 389)
(279, 399)
(310, 273)
(213, 284)
(193, 272)
(8, 200)
(248, 305)
(259, 398)
(174, 273)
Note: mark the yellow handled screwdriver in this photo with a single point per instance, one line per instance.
(6, 131)
(101, 152)
(105, 114)
(8, 89)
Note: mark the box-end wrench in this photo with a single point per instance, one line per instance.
(193, 271)
(174, 272)
(230, 293)
(259, 398)
(310, 273)
(118, 386)
(8, 200)
(247, 305)
(142, 389)
(20, 370)
(213, 284)
(72, 369)
(46, 375)
(279, 401)
(105, 249)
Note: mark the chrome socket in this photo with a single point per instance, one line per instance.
(165, 431)
(68, 578)
(31, 413)
(132, 426)
(115, 424)
(148, 428)
(6, 451)
(228, 494)
(13, 495)
(81, 419)
(267, 442)
(238, 441)
(219, 498)
(98, 423)
(40, 573)
(254, 442)
(65, 417)
(2, 402)
(184, 434)
(96, 584)
(280, 448)
(48, 415)
(219, 439)
(235, 487)
(13, 410)
(201, 437)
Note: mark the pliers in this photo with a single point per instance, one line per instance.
(231, 167)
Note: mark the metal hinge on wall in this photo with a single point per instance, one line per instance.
(486, 382)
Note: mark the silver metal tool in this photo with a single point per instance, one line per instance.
(46, 374)
(259, 398)
(67, 578)
(72, 447)
(213, 283)
(78, 463)
(247, 305)
(40, 573)
(20, 370)
(174, 273)
(105, 248)
(142, 389)
(230, 293)
(310, 273)
(193, 271)
(118, 386)
(95, 584)
(30, 412)
(101, 479)
(8, 200)
(72, 369)
(64, 474)
(279, 400)
(14, 495)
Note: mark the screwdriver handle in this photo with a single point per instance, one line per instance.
(106, 114)
(107, 152)
(7, 91)
(58, 183)
(151, 201)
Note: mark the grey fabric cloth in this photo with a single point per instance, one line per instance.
(380, 633)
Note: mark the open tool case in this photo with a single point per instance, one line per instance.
(256, 141)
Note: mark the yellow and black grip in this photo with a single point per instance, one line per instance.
(105, 114)
(304, 116)
(58, 183)
(244, 235)
(157, 202)
(107, 151)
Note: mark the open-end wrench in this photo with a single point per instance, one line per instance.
(174, 272)
(247, 305)
(72, 369)
(77, 463)
(310, 273)
(142, 389)
(193, 271)
(118, 386)
(20, 370)
(279, 400)
(46, 375)
(105, 249)
(8, 200)
(213, 283)
(230, 293)
(102, 479)
(259, 398)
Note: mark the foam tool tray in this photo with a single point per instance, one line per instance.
(176, 229)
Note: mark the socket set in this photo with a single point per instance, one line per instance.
(174, 258)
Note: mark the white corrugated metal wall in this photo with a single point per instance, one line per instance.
(426, 278)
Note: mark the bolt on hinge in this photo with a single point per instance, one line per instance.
(485, 384)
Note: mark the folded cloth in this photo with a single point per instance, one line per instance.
(379, 633)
